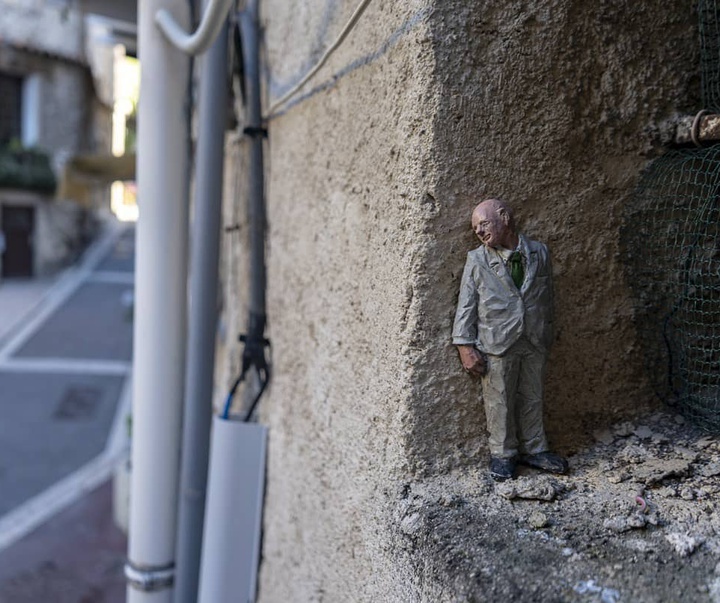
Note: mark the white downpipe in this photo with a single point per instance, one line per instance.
(160, 307)
(213, 19)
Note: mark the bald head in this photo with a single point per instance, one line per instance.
(494, 224)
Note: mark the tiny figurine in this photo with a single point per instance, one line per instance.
(503, 330)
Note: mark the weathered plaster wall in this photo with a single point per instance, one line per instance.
(372, 174)
(348, 169)
(46, 26)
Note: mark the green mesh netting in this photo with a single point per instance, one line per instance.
(672, 249)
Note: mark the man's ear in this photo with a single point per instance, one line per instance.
(504, 216)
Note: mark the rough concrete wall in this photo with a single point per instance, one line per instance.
(372, 174)
(347, 179)
(553, 106)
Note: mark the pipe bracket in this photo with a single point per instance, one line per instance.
(148, 578)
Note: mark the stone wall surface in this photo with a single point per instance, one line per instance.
(372, 173)
(66, 120)
(44, 40)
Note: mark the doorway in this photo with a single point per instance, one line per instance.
(18, 225)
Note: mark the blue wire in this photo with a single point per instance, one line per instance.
(228, 403)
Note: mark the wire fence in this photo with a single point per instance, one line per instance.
(672, 252)
(671, 246)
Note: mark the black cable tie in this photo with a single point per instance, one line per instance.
(254, 132)
(244, 339)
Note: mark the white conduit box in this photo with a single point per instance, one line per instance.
(233, 513)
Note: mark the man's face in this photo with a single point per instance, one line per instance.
(489, 226)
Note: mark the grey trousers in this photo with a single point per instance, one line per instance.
(513, 395)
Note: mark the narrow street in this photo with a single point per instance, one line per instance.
(64, 397)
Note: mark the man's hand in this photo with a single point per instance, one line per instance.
(472, 360)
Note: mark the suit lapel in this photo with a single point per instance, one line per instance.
(532, 265)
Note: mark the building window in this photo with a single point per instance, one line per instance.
(10, 108)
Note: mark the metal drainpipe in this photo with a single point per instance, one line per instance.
(232, 537)
(204, 248)
(160, 308)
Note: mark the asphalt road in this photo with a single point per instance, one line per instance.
(61, 380)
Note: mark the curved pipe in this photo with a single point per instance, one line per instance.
(207, 31)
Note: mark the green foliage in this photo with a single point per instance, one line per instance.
(27, 169)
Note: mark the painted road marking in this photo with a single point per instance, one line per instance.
(113, 278)
(66, 365)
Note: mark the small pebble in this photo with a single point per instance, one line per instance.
(710, 470)
(687, 494)
(636, 521)
(624, 429)
(538, 520)
(604, 437)
(659, 438)
(679, 419)
(643, 432)
(683, 544)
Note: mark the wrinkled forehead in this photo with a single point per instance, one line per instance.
(481, 212)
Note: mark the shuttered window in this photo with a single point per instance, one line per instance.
(10, 107)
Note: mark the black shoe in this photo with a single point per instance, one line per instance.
(546, 461)
(501, 469)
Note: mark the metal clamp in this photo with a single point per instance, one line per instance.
(148, 578)
(695, 129)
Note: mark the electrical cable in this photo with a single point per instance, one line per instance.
(256, 358)
(333, 47)
(253, 355)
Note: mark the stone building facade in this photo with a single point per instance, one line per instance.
(373, 170)
(49, 105)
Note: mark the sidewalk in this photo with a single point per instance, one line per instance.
(76, 557)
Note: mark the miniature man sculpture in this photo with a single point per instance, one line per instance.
(503, 330)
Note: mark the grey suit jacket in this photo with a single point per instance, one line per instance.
(492, 313)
